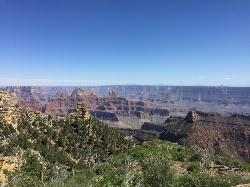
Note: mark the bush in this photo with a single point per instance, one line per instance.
(24, 181)
(201, 180)
(157, 171)
(148, 165)
(32, 167)
(227, 161)
(194, 167)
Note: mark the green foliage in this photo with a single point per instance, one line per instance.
(23, 141)
(88, 153)
(227, 161)
(204, 180)
(6, 130)
(80, 179)
(157, 171)
(201, 180)
(60, 143)
(154, 168)
(194, 167)
(32, 166)
(64, 139)
(146, 165)
(150, 165)
(24, 181)
(116, 172)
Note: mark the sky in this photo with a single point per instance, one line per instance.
(111, 42)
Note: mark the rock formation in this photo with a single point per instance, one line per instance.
(109, 108)
(215, 133)
(211, 132)
(192, 117)
(111, 94)
(8, 108)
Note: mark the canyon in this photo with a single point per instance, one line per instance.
(177, 99)
(51, 111)
(116, 110)
(138, 111)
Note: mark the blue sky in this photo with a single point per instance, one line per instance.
(96, 42)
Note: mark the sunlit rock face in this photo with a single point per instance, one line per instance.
(8, 108)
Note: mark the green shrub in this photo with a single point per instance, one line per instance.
(194, 167)
(148, 165)
(230, 162)
(24, 181)
(32, 166)
(157, 171)
(201, 180)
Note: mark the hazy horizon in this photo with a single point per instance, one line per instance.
(107, 85)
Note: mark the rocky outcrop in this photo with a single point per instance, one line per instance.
(8, 108)
(111, 94)
(213, 132)
(192, 117)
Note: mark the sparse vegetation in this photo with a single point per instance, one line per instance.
(150, 164)
(74, 152)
